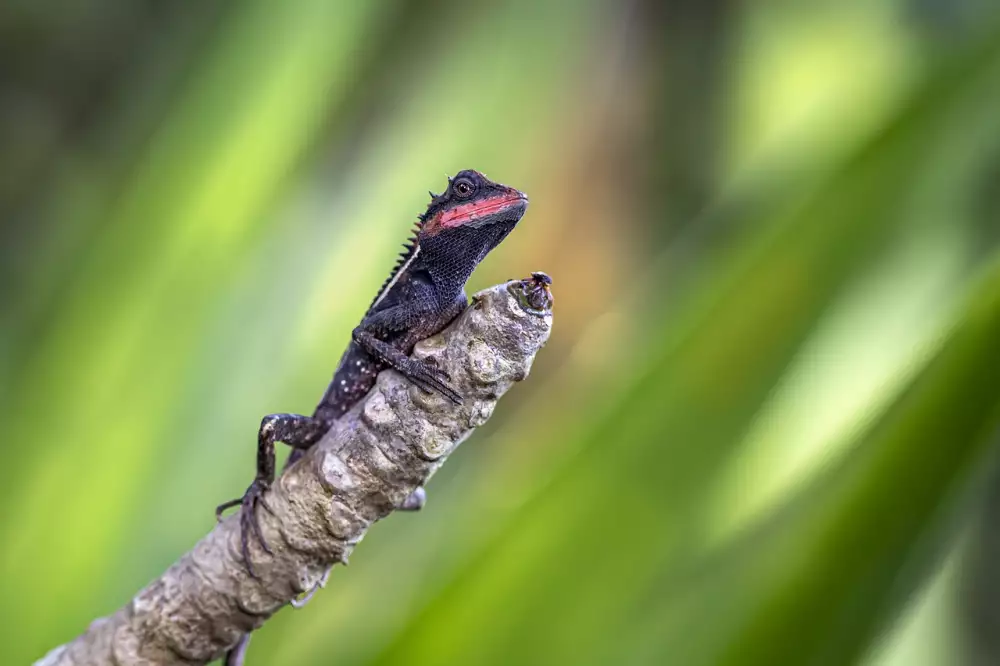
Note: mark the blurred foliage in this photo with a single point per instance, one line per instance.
(764, 432)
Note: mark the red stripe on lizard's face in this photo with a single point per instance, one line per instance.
(465, 213)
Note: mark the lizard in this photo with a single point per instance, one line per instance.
(424, 292)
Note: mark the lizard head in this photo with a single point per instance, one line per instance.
(472, 202)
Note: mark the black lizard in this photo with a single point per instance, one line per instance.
(424, 293)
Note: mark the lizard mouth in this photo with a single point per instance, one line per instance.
(509, 206)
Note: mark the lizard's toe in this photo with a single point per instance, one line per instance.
(434, 380)
(222, 508)
(249, 523)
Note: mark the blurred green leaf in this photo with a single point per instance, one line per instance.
(197, 193)
(567, 571)
(844, 566)
(186, 284)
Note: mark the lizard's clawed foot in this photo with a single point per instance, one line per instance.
(249, 524)
(431, 379)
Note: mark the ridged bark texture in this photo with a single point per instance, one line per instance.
(388, 445)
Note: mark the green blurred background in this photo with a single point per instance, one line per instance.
(764, 431)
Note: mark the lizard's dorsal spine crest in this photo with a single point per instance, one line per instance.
(411, 248)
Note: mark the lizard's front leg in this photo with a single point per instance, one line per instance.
(422, 311)
(424, 375)
(295, 430)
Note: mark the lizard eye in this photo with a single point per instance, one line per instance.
(464, 188)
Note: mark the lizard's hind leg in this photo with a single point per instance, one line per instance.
(295, 430)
